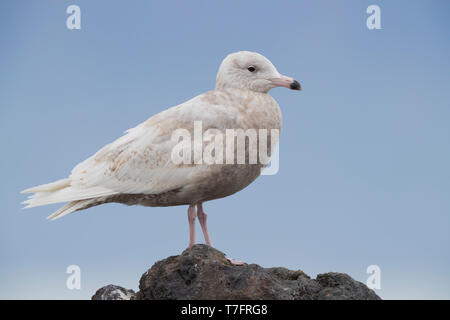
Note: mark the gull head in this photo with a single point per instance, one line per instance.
(251, 71)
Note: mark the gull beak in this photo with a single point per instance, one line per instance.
(286, 82)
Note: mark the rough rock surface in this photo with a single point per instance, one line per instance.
(204, 273)
(112, 292)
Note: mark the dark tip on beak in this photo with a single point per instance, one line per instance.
(295, 85)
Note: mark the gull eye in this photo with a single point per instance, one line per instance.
(251, 68)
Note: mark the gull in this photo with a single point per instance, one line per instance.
(138, 168)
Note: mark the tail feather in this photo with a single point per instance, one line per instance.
(65, 195)
(71, 207)
(62, 191)
(49, 187)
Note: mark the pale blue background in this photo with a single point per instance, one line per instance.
(364, 175)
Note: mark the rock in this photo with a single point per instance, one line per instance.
(112, 292)
(203, 272)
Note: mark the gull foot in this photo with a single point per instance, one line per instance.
(236, 262)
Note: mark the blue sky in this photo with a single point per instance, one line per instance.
(364, 154)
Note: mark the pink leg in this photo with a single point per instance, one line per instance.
(191, 218)
(236, 262)
(202, 216)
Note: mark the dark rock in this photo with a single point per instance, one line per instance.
(112, 292)
(203, 272)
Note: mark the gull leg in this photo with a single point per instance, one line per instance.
(191, 218)
(202, 216)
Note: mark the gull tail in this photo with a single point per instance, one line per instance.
(62, 191)
(49, 187)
